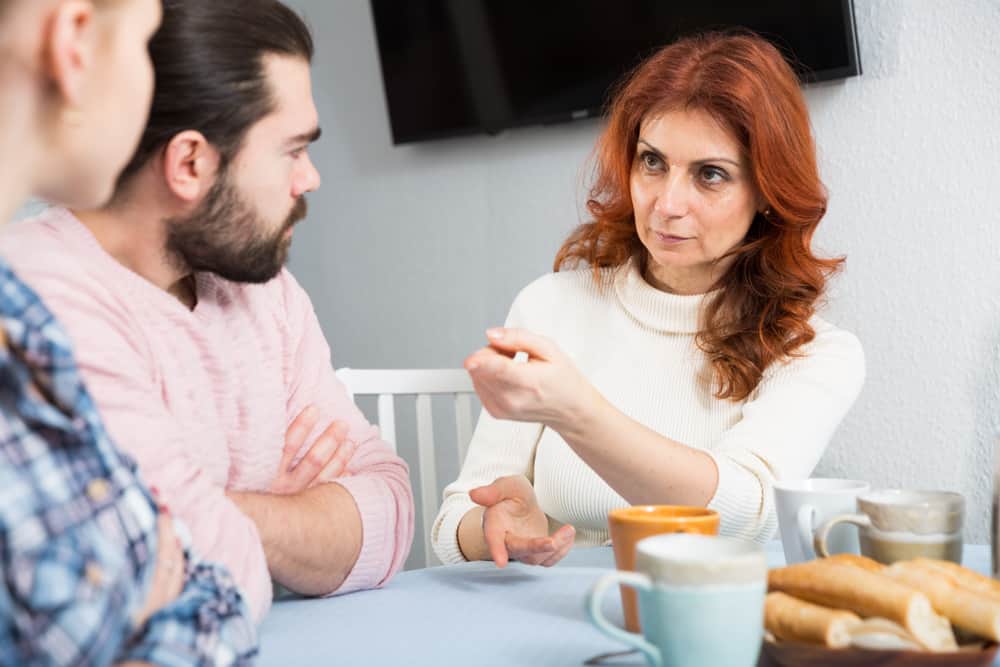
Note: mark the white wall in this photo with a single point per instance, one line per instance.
(411, 252)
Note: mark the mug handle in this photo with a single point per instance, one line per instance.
(860, 520)
(805, 517)
(596, 597)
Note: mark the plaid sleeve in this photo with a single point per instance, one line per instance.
(78, 529)
(64, 600)
(208, 625)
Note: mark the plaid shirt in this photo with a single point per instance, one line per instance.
(78, 529)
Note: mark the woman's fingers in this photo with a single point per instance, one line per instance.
(564, 538)
(500, 383)
(505, 545)
(168, 571)
(515, 488)
(172, 560)
(530, 550)
(544, 551)
(494, 532)
(489, 365)
(559, 554)
(513, 525)
(511, 340)
(487, 496)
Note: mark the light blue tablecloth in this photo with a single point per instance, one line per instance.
(470, 615)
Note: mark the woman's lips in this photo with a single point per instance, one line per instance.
(671, 239)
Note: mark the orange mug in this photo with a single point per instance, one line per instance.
(628, 525)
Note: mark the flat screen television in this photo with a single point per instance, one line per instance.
(456, 67)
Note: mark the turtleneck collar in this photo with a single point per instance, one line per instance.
(656, 309)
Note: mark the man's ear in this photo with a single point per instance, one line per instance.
(190, 165)
(68, 44)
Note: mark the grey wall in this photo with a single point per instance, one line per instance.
(411, 252)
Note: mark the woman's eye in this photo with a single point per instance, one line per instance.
(650, 160)
(713, 175)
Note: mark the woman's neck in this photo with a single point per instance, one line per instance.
(684, 281)
(16, 167)
(19, 139)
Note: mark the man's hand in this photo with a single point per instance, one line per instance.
(325, 461)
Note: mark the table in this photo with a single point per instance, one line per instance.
(466, 615)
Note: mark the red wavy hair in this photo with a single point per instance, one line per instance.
(766, 298)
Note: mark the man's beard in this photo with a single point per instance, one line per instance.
(223, 236)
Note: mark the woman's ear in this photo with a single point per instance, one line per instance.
(760, 201)
(68, 45)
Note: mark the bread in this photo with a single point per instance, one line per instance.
(791, 619)
(867, 594)
(967, 609)
(882, 635)
(864, 562)
(963, 576)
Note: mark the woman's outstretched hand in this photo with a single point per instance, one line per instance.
(515, 527)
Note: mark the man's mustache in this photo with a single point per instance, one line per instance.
(299, 212)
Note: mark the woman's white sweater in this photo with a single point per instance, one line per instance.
(636, 344)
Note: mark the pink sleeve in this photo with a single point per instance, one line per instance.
(115, 362)
(379, 480)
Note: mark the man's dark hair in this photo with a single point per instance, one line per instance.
(208, 56)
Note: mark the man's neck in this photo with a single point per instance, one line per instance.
(135, 234)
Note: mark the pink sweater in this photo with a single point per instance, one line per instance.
(202, 398)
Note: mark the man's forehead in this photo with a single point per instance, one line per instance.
(289, 79)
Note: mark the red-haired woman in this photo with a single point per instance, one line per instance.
(685, 364)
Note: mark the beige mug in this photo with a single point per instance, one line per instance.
(897, 524)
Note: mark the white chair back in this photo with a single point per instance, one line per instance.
(387, 384)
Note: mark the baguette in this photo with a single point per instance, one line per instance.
(968, 610)
(863, 562)
(791, 619)
(867, 594)
(882, 634)
(963, 577)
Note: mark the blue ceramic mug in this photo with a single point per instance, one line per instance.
(701, 601)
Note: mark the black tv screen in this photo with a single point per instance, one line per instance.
(454, 67)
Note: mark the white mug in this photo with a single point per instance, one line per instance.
(806, 504)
